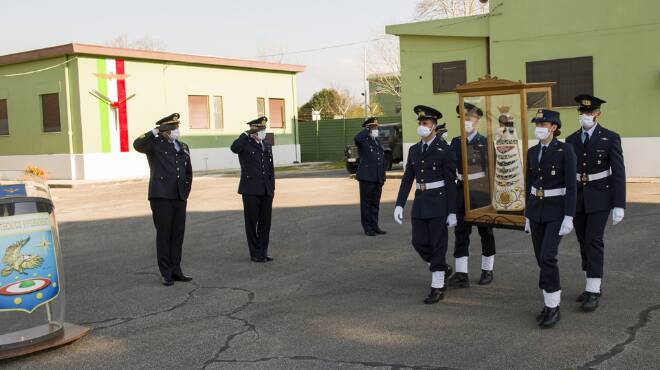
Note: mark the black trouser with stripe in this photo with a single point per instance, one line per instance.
(370, 193)
(429, 237)
(590, 228)
(169, 217)
(545, 237)
(257, 210)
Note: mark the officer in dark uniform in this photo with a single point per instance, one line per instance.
(441, 132)
(257, 186)
(434, 209)
(477, 151)
(169, 186)
(371, 175)
(550, 206)
(601, 187)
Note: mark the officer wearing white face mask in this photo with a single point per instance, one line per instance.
(550, 190)
(479, 185)
(430, 163)
(371, 175)
(257, 187)
(601, 184)
(169, 186)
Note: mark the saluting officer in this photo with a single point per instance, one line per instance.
(550, 206)
(170, 182)
(601, 187)
(371, 175)
(441, 132)
(477, 153)
(257, 186)
(434, 209)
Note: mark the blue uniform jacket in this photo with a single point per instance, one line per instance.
(477, 162)
(435, 165)
(372, 166)
(556, 170)
(257, 170)
(170, 170)
(604, 152)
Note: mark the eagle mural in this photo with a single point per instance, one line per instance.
(15, 260)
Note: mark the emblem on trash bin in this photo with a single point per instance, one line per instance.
(28, 267)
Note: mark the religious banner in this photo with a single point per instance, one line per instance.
(509, 194)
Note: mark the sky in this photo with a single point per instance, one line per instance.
(239, 29)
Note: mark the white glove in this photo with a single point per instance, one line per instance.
(566, 226)
(154, 131)
(398, 214)
(451, 220)
(527, 228)
(617, 215)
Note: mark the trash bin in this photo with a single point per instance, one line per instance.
(32, 289)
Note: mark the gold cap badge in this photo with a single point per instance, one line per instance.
(586, 102)
(421, 113)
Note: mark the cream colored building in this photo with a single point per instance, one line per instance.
(74, 110)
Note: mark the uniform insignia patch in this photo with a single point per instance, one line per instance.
(604, 138)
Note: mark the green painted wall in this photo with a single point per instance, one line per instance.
(418, 53)
(620, 35)
(26, 134)
(387, 102)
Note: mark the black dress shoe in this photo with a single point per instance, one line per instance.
(378, 230)
(459, 280)
(590, 303)
(257, 259)
(551, 317)
(448, 271)
(486, 277)
(435, 296)
(541, 315)
(166, 281)
(370, 233)
(269, 259)
(581, 298)
(181, 277)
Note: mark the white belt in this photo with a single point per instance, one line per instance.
(541, 193)
(596, 176)
(430, 185)
(471, 176)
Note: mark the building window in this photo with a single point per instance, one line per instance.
(217, 113)
(198, 111)
(50, 110)
(4, 118)
(447, 75)
(276, 110)
(261, 107)
(573, 76)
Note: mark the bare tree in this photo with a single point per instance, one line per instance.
(344, 103)
(144, 43)
(440, 9)
(384, 66)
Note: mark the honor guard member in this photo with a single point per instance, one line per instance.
(430, 163)
(601, 187)
(170, 182)
(477, 153)
(371, 175)
(257, 186)
(550, 206)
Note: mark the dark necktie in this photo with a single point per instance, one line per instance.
(543, 149)
(586, 139)
(425, 147)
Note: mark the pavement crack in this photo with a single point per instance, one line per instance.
(643, 318)
(248, 327)
(376, 364)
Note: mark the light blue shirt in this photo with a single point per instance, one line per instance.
(590, 132)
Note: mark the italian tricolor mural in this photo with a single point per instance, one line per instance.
(111, 92)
